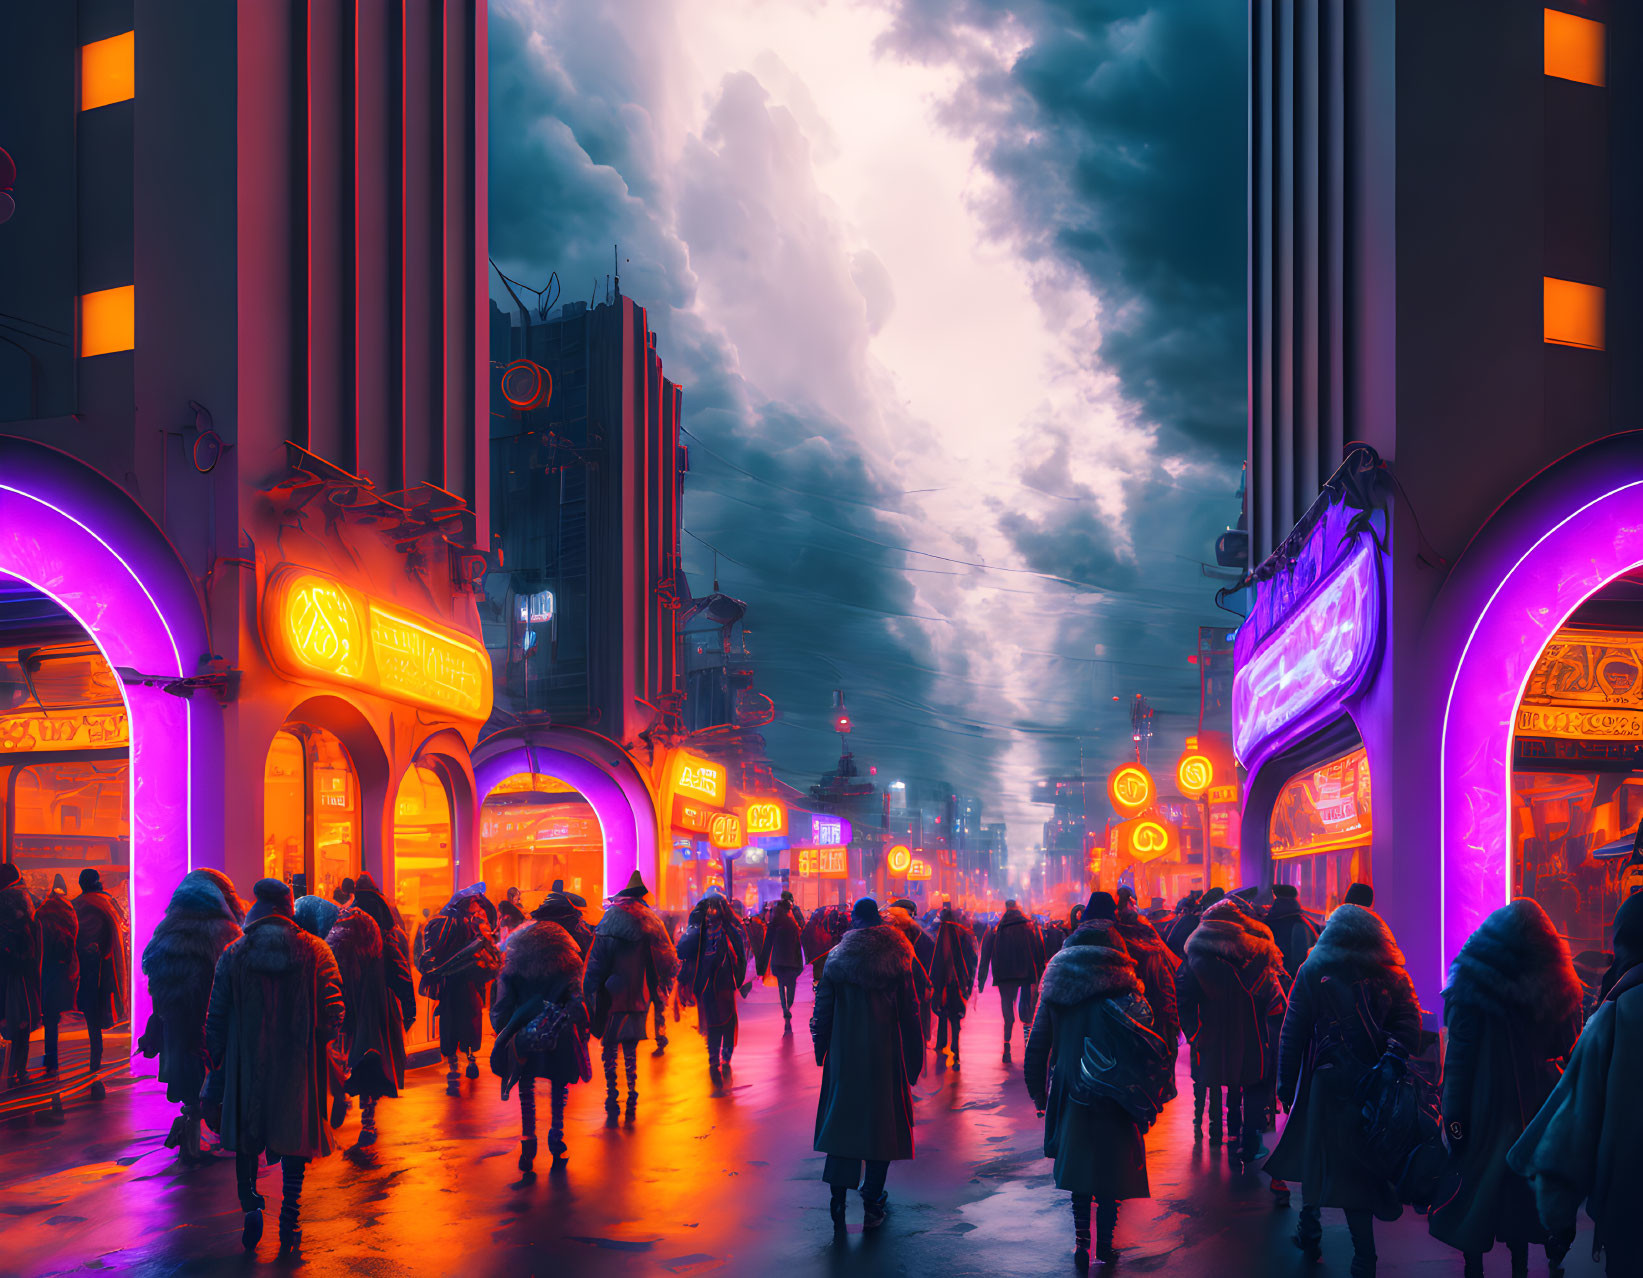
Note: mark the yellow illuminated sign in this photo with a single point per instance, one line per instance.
(901, 859)
(92, 730)
(1130, 788)
(700, 777)
(766, 818)
(919, 869)
(316, 627)
(1194, 774)
(833, 863)
(1148, 838)
(807, 860)
(725, 831)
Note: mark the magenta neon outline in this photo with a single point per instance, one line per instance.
(1533, 599)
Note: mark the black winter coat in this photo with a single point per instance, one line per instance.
(180, 961)
(1097, 1148)
(781, 946)
(952, 969)
(1321, 1145)
(1230, 997)
(59, 961)
(1513, 1012)
(1295, 933)
(461, 993)
(1155, 965)
(717, 970)
(100, 942)
(1013, 951)
(631, 965)
(865, 1030)
(381, 1000)
(540, 963)
(19, 964)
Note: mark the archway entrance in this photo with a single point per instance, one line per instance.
(536, 829)
(311, 811)
(424, 869)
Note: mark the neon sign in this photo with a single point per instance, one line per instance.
(701, 777)
(766, 818)
(1148, 838)
(920, 869)
(101, 730)
(725, 831)
(807, 860)
(901, 859)
(1193, 774)
(315, 627)
(834, 863)
(826, 829)
(1319, 655)
(691, 816)
(1130, 787)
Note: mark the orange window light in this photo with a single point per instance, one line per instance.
(108, 71)
(108, 321)
(1573, 314)
(1574, 48)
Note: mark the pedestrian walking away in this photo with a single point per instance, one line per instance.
(59, 966)
(459, 959)
(1014, 952)
(632, 965)
(952, 974)
(20, 951)
(101, 951)
(713, 951)
(380, 996)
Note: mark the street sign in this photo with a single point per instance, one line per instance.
(1131, 788)
(1194, 774)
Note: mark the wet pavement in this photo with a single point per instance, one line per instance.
(702, 1183)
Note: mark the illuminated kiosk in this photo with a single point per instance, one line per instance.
(69, 533)
(598, 769)
(1308, 657)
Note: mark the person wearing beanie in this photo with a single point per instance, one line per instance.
(276, 1006)
(866, 1035)
(1090, 995)
(1292, 928)
(1355, 965)
(202, 920)
(952, 976)
(782, 955)
(100, 941)
(1361, 894)
(20, 948)
(1014, 952)
(630, 969)
(460, 958)
(561, 908)
(60, 964)
(1580, 1148)
(1512, 1011)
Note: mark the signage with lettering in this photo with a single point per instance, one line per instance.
(919, 869)
(1223, 794)
(85, 730)
(1130, 788)
(690, 815)
(900, 859)
(834, 863)
(700, 778)
(766, 817)
(807, 861)
(725, 830)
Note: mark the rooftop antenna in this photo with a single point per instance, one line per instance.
(616, 270)
(715, 572)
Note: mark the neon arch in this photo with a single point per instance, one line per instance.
(72, 534)
(1565, 536)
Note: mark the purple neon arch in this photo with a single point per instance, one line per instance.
(69, 532)
(1558, 559)
(621, 803)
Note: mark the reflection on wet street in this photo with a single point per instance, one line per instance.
(702, 1183)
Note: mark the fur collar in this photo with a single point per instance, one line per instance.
(186, 943)
(16, 903)
(634, 921)
(903, 923)
(1356, 945)
(1140, 937)
(273, 944)
(877, 957)
(1085, 968)
(1516, 962)
(542, 954)
(317, 915)
(354, 938)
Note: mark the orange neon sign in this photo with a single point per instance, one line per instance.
(766, 818)
(901, 859)
(1194, 774)
(1148, 838)
(1130, 788)
(833, 863)
(725, 831)
(919, 869)
(700, 777)
(315, 627)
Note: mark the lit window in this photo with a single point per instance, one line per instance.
(108, 321)
(108, 71)
(1573, 314)
(1574, 47)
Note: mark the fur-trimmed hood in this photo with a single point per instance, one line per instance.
(1233, 936)
(628, 919)
(1516, 963)
(1141, 937)
(273, 944)
(875, 958)
(1010, 918)
(316, 915)
(1093, 962)
(542, 954)
(354, 936)
(1356, 945)
(181, 956)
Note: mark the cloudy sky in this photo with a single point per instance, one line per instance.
(955, 291)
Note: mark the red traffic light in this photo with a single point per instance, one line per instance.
(841, 723)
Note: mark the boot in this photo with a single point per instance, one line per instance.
(1557, 1247)
(527, 1153)
(253, 1203)
(1006, 1051)
(1363, 1266)
(453, 1077)
(473, 1066)
(1280, 1193)
(836, 1208)
(874, 1208)
(1106, 1220)
(714, 1075)
(1308, 1237)
(556, 1144)
(633, 1108)
(99, 1090)
(368, 1120)
(179, 1128)
(291, 1206)
(339, 1109)
(1474, 1264)
(1081, 1232)
(661, 1043)
(193, 1150)
(1197, 1111)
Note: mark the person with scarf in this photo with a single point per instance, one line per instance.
(714, 950)
(632, 964)
(459, 959)
(20, 949)
(100, 942)
(1585, 1145)
(59, 964)
(276, 1005)
(203, 919)
(782, 954)
(952, 976)
(381, 1001)
(865, 1033)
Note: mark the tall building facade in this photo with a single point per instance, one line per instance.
(1444, 281)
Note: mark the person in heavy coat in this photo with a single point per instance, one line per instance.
(1098, 1150)
(559, 909)
(754, 926)
(276, 1006)
(541, 983)
(20, 950)
(1512, 1011)
(202, 920)
(632, 964)
(952, 974)
(1014, 953)
(1155, 964)
(460, 958)
(317, 915)
(1586, 1143)
(1230, 997)
(100, 945)
(381, 1001)
(714, 951)
(865, 1031)
(1356, 963)
(59, 965)
(1187, 912)
(1292, 928)
(902, 920)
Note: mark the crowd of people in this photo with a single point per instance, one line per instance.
(272, 1018)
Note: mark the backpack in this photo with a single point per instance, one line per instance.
(1135, 1073)
(541, 1035)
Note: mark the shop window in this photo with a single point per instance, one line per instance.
(1320, 830)
(1573, 314)
(424, 869)
(1574, 47)
(67, 816)
(108, 71)
(311, 811)
(108, 321)
(535, 829)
